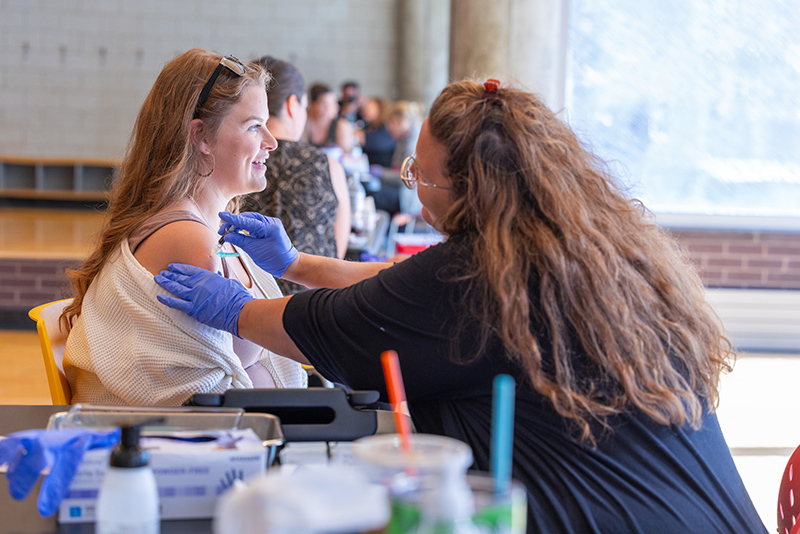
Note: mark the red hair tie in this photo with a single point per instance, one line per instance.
(490, 88)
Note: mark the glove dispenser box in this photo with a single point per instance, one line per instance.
(196, 455)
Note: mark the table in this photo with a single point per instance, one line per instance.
(20, 517)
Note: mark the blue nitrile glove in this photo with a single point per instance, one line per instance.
(210, 298)
(267, 244)
(30, 451)
(376, 170)
(366, 256)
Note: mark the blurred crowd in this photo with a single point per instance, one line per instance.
(370, 136)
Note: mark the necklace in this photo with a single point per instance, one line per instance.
(202, 215)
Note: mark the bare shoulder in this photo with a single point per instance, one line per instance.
(338, 178)
(179, 242)
(337, 171)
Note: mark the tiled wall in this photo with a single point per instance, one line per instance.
(745, 259)
(73, 74)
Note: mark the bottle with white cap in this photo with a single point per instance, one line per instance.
(358, 197)
(128, 499)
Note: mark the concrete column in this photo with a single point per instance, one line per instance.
(521, 41)
(424, 39)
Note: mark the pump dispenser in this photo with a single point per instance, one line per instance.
(128, 500)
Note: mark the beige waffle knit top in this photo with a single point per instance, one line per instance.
(128, 349)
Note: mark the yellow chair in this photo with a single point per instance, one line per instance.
(53, 341)
(315, 379)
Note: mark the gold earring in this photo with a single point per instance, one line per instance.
(213, 166)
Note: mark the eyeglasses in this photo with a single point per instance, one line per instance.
(408, 174)
(233, 64)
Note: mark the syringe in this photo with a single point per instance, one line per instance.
(218, 248)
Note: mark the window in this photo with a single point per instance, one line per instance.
(695, 104)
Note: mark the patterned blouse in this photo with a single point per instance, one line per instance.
(300, 193)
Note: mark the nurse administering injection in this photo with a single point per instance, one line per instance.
(548, 273)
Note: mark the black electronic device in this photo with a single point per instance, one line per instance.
(312, 414)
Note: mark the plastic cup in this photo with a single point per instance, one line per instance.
(382, 458)
(504, 513)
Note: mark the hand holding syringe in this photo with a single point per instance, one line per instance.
(263, 238)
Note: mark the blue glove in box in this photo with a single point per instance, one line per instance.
(195, 454)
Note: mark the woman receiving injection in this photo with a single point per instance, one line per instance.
(199, 142)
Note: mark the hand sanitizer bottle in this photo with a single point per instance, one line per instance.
(128, 500)
(358, 197)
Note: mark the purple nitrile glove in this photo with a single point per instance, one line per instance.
(210, 298)
(30, 451)
(267, 242)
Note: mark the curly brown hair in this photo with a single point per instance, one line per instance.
(612, 285)
(162, 164)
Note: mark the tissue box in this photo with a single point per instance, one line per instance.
(192, 468)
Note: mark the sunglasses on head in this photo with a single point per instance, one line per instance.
(233, 64)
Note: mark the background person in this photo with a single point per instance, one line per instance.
(200, 140)
(403, 124)
(548, 274)
(350, 102)
(306, 189)
(324, 128)
(376, 141)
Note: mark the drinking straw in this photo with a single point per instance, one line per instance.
(502, 431)
(397, 396)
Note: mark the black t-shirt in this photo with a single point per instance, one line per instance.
(379, 146)
(642, 477)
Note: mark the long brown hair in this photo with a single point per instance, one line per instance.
(611, 284)
(162, 164)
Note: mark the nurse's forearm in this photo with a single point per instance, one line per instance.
(261, 321)
(318, 271)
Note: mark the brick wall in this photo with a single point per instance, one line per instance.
(725, 259)
(25, 284)
(752, 260)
